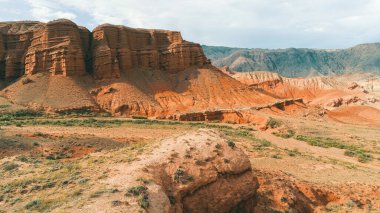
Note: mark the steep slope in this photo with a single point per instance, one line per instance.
(294, 62)
(61, 66)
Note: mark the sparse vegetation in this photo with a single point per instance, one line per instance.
(231, 144)
(116, 203)
(293, 152)
(33, 204)
(273, 123)
(171, 199)
(142, 193)
(218, 146)
(362, 156)
(3, 106)
(83, 113)
(139, 117)
(19, 115)
(137, 190)
(351, 150)
(143, 180)
(40, 134)
(285, 134)
(9, 166)
(181, 176)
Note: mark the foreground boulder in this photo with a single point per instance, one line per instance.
(196, 172)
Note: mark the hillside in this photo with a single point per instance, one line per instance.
(295, 62)
(59, 66)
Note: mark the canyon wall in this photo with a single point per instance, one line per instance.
(61, 47)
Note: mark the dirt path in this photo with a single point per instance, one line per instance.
(332, 153)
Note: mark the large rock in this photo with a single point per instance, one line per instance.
(60, 47)
(56, 47)
(194, 172)
(119, 49)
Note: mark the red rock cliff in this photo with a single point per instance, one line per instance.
(62, 48)
(119, 49)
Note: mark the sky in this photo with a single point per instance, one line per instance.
(325, 24)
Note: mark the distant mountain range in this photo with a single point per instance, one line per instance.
(298, 62)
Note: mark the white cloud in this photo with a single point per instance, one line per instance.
(45, 10)
(245, 23)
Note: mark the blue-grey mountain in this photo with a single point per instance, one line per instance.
(298, 62)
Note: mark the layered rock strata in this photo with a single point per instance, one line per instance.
(61, 47)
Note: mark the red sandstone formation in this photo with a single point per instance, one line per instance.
(118, 49)
(115, 68)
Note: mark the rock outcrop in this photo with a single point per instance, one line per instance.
(61, 47)
(119, 49)
(61, 66)
(194, 172)
(31, 47)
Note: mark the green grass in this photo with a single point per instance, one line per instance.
(84, 122)
(9, 166)
(361, 155)
(19, 115)
(351, 150)
(83, 113)
(3, 106)
(293, 153)
(139, 117)
(324, 142)
(33, 204)
(288, 134)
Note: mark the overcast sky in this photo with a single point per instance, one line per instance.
(237, 23)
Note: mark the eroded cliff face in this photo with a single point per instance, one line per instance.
(118, 69)
(57, 47)
(118, 49)
(60, 47)
(134, 63)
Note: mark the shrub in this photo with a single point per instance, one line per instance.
(231, 144)
(139, 117)
(4, 106)
(142, 193)
(33, 204)
(40, 134)
(116, 203)
(293, 152)
(8, 166)
(181, 176)
(218, 146)
(273, 123)
(171, 199)
(143, 200)
(137, 190)
(288, 134)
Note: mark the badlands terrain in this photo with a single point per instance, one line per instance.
(136, 120)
